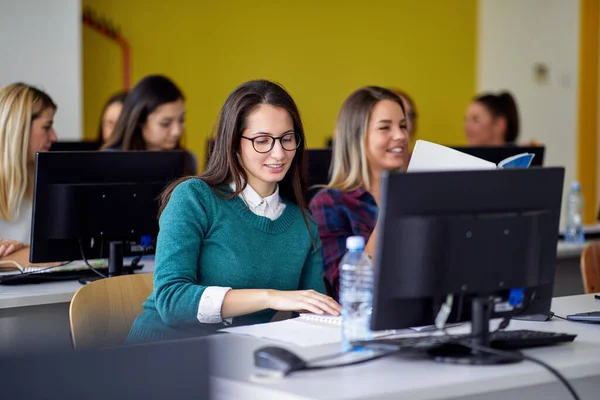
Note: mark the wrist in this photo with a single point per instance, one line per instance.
(267, 298)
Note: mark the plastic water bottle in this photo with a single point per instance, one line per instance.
(574, 232)
(356, 293)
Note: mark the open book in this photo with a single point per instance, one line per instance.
(428, 156)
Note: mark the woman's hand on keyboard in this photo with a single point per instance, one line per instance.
(303, 301)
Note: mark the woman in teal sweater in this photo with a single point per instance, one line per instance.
(236, 244)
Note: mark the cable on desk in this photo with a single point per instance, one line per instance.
(520, 356)
(87, 263)
(36, 272)
(559, 317)
(347, 364)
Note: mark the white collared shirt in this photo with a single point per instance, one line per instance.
(211, 301)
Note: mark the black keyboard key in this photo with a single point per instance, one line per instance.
(502, 340)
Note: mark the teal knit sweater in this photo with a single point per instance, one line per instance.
(205, 240)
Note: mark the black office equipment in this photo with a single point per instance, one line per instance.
(177, 369)
(496, 154)
(589, 317)
(500, 340)
(486, 238)
(319, 164)
(83, 145)
(98, 204)
(28, 278)
(278, 359)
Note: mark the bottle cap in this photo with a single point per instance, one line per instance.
(355, 243)
(575, 186)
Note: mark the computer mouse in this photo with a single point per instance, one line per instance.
(278, 359)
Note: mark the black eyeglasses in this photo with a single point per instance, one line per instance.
(265, 143)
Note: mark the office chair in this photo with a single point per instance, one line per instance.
(590, 267)
(102, 312)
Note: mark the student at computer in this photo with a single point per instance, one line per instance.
(371, 136)
(152, 118)
(26, 127)
(236, 243)
(109, 116)
(492, 120)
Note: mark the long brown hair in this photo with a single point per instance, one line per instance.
(224, 166)
(117, 98)
(146, 96)
(503, 105)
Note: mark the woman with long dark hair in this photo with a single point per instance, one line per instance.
(152, 118)
(492, 120)
(236, 244)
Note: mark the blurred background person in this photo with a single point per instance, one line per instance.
(492, 120)
(109, 116)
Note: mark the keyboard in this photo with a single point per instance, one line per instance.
(55, 276)
(501, 340)
(589, 317)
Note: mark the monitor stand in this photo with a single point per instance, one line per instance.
(455, 353)
(115, 264)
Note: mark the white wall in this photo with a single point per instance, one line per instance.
(513, 36)
(40, 44)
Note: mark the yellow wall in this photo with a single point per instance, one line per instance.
(319, 50)
(588, 105)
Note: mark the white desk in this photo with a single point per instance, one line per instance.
(397, 378)
(38, 314)
(569, 250)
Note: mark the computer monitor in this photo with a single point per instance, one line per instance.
(319, 163)
(83, 145)
(98, 204)
(174, 369)
(480, 236)
(496, 154)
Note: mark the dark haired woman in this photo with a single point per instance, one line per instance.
(492, 120)
(236, 244)
(109, 116)
(152, 118)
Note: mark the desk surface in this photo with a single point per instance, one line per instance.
(394, 377)
(569, 250)
(47, 292)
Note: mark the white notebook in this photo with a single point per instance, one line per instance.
(310, 330)
(297, 331)
(428, 156)
(321, 319)
(333, 320)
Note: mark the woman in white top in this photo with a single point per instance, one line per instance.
(26, 117)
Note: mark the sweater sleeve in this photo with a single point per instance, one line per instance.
(183, 224)
(312, 272)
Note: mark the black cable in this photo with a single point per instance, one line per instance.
(101, 246)
(459, 310)
(87, 263)
(356, 362)
(521, 356)
(559, 317)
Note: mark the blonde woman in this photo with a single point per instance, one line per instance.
(26, 117)
(371, 136)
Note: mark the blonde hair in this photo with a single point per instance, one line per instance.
(349, 168)
(20, 104)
